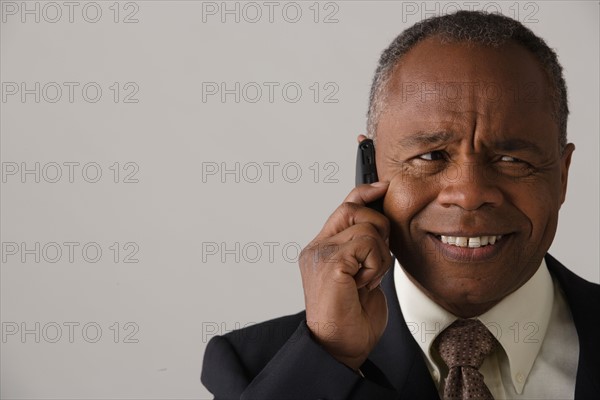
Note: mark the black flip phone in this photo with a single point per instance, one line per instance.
(366, 170)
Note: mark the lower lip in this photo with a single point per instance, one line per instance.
(470, 254)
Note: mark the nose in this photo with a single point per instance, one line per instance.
(469, 185)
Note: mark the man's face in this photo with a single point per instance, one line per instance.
(470, 148)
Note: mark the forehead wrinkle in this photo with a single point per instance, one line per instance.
(426, 138)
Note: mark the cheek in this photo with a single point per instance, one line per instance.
(405, 198)
(539, 205)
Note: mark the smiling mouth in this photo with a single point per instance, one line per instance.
(469, 241)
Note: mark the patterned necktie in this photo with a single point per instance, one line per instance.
(463, 347)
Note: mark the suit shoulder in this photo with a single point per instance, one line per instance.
(276, 329)
(255, 345)
(583, 297)
(570, 280)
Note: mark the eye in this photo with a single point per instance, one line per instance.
(510, 159)
(432, 156)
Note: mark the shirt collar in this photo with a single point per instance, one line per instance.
(518, 322)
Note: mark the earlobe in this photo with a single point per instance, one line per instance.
(565, 163)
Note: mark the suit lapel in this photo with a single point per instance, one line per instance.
(582, 297)
(398, 355)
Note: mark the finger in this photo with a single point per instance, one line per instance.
(360, 259)
(349, 214)
(363, 229)
(370, 278)
(361, 262)
(373, 261)
(367, 193)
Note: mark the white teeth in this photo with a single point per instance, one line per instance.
(471, 242)
(474, 242)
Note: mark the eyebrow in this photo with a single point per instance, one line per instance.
(422, 138)
(517, 144)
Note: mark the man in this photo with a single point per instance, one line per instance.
(468, 113)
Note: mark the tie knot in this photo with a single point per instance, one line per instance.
(465, 343)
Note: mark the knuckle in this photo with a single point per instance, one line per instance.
(327, 252)
(307, 255)
(306, 251)
(303, 258)
(342, 272)
(347, 208)
(319, 253)
(371, 230)
(370, 240)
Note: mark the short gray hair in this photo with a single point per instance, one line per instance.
(488, 29)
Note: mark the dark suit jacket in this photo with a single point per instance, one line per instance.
(279, 359)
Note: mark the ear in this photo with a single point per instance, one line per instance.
(565, 162)
(360, 138)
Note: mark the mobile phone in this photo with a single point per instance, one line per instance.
(366, 170)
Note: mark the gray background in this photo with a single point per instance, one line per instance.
(154, 316)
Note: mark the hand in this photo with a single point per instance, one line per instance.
(341, 269)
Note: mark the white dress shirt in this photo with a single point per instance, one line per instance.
(539, 348)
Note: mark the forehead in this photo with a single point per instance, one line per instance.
(435, 61)
(439, 83)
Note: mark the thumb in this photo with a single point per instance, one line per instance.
(367, 193)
